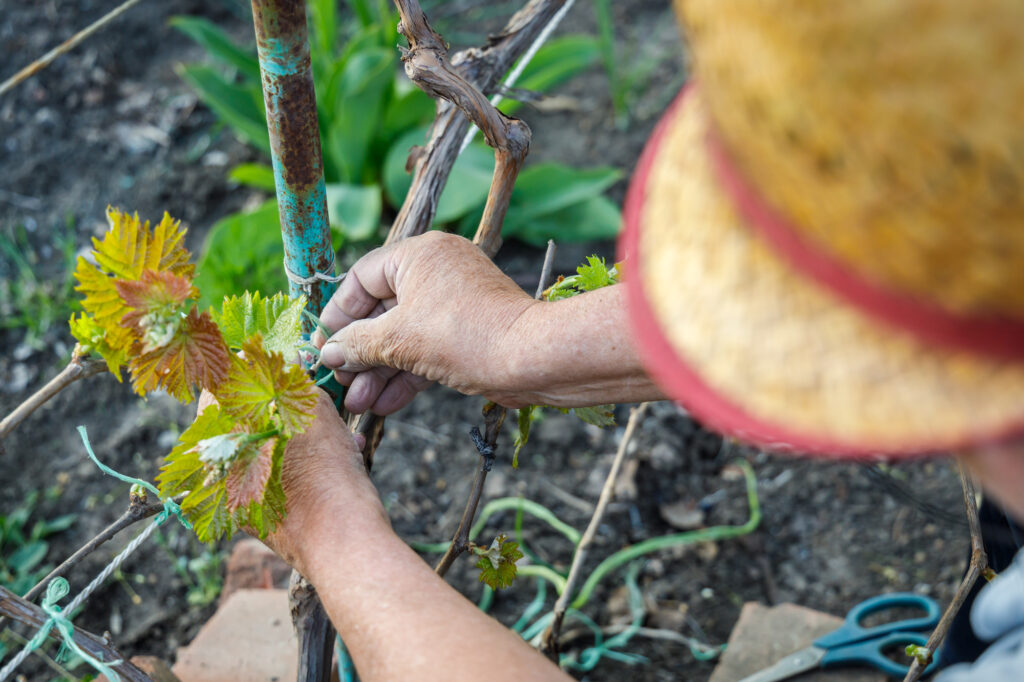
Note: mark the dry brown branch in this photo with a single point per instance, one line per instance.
(494, 417)
(14, 607)
(79, 368)
(545, 271)
(482, 67)
(314, 628)
(977, 566)
(68, 45)
(549, 642)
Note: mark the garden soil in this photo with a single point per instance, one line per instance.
(111, 123)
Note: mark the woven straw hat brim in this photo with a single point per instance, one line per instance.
(760, 352)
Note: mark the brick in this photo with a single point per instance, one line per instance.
(249, 639)
(253, 566)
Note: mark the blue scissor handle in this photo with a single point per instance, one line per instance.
(851, 630)
(871, 652)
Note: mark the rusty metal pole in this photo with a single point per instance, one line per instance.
(283, 46)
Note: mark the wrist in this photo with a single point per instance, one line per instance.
(339, 525)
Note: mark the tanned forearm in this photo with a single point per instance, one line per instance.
(576, 352)
(399, 620)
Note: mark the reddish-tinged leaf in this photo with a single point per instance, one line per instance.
(248, 476)
(156, 293)
(195, 356)
(265, 391)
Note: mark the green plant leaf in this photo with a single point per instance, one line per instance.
(47, 528)
(240, 106)
(556, 62)
(265, 392)
(361, 92)
(219, 44)
(497, 563)
(549, 187)
(592, 219)
(28, 556)
(468, 182)
(525, 419)
(323, 24)
(409, 108)
(598, 415)
(354, 210)
(256, 175)
(277, 318)
(243, 252)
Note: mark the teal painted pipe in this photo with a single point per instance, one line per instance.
(283, 47)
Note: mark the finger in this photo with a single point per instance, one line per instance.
(366, 387)
(367, 283)
(362, 345)
(398, 393)
(344, 378)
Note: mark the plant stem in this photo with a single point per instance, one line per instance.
(550, 640)
(79, 368)
(494, 417)
(14, 607)
(976, 567)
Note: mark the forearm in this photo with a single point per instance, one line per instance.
(576, 352)
(399, 620)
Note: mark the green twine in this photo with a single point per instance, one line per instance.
(171, 508)
(55, 591)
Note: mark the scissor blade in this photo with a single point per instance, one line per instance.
(794, 664)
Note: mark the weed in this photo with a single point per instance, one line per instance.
(23, 545)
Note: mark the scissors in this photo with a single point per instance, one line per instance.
(853, 644)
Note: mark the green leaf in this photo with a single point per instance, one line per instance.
(27, 557)
(468, 183)
(595, 275)
(219, 45)
(277, 318)
(361, 92)
(556, 62)
(497, 563)
(243, 252)
(256, 175)
(598, 415)
(549, 187)
(596, 218)
(526, 415)
(409, 108)
(240, 106)
(323, 23)
(46, 528)
(265, 392)
(354, 210)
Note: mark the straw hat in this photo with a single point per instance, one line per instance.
(825, 233)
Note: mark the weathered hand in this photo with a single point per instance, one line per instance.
(322, 474)
(430, 308)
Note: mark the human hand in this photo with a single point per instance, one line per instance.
(324, 480)
(429, 308)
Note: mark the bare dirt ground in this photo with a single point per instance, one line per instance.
(113, 124)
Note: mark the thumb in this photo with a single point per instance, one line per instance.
(362, 344)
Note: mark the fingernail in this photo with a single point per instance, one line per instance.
(330, 355)
(360, 441)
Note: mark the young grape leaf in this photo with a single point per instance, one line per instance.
(523, 433)
(156, 303)
(278, 319)
(206, 508)
(92, 339)
(266, 392)
(248, 476)
(497, 563)
(598, 415)
(194, 356)
(595, 274)
(129, 247)
(263, 517)
(103, 304)
(183, 470)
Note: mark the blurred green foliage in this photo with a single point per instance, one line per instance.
(370, 115)
(23, 544)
